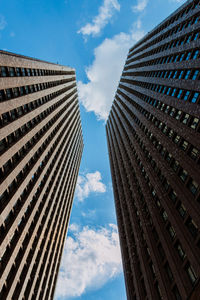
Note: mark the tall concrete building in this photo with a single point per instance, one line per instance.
(153, 134)
(41, 146)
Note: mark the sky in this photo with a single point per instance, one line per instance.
(92, 36)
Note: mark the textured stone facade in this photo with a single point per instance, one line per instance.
(41, 146)
(153, 134)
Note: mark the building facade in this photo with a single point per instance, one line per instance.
(153, 135)
(41, 146)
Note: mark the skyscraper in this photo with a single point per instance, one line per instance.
(41, 146)
(153, 134)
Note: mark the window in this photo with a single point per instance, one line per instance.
(195, 37)
(193, 186)
(177, 139)
(18, 73)
(168, 91)
(169, 272)
(8, 93)
(172, 112)
(2, 95)
(178, 114)
(194, 123)
(195, 97)
(180, 251)
(11, 71)
(23, 72)
(192, 227)
(175, 165)
(168, 157)
(15, 92)
(28, 72)
(186, 95)
(184, 145)
(164, 216)
(3, 71)
(179, 93)
(187, 74)
(192, 275)
(196, 73)
(173, 195)
(183, 174)
(185, 118)
(193, 153)
(188, 56)
(158, 291)
(195, 54)
(175, 74)
(180, 59)
(171, 231)
(173, 92)
(182, 210)
(176, 293)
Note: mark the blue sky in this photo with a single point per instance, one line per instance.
(93, 36)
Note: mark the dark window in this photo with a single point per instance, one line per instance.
(11, 71)
(182, 210)
(180, 250)
(191, 273)
(8, 93)
(176, 293)
(18, 72)
(169, 272)
(192, 227)
(193, 153)
(4, 71)
(195, 97)
(183, 174)
(192, 186)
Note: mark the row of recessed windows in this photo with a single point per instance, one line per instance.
(186, 95)
(177, 57)
(179, 115)
(145, 209)
(53, 212)
(191, 74)
(141, 233)
(20, 72)
(192, 227)
(32, 204)
(169, 22)
(190, 223)
(178, 140)
(19, 133)
(15, 92)
(183, 144)
(137, 268)
(55, 207)
(174, 43)
(18, 112)
(13, 186)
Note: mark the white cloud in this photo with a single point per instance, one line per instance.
(88, 183)
(103, 75)
(106, 12)
(74, 227)
(3, 22)
(141, 5)
(90, 259)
